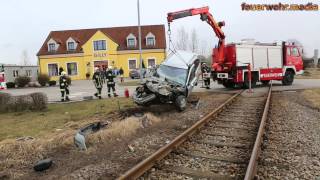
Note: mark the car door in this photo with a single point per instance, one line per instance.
(193, 76)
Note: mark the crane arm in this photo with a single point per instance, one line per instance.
(205, 15)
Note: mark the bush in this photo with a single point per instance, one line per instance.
(4, 99)
(20, 103)
(22, 81)
(10, 85)
(43, 79)
(69, 80)
(40, 101)
(52, 83)
(34, 101)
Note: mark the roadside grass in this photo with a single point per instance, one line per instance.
(130, 83)
(313, 95)
(57, 116)
(310, 73)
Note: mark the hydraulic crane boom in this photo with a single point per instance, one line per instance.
(205, 15)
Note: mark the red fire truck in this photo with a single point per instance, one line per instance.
(232, 62)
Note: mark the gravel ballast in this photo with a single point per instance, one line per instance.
(292, 141)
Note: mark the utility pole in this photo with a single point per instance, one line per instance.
(140, 49)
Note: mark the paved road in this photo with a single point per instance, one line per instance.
(82, 88)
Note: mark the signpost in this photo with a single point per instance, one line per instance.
(139, 30)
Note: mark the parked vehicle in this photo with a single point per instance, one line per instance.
(135, 73)
(172, 81)
(231, 63)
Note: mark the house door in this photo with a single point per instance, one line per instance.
(102, 65)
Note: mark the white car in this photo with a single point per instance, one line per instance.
(171, 82)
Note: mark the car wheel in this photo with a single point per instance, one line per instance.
(288, 78)
(181, 102)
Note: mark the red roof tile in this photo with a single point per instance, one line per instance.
(117, 34)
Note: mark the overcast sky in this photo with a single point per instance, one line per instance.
(26, 24)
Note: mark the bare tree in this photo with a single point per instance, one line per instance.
(204, 48)
(194, 43)
(182, 39)
(25, 60)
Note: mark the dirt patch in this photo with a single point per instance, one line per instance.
(132, 135)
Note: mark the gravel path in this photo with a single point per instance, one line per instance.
(292, 144)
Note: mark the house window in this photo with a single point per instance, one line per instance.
(72, 69)
(15, 73)
(71, 46)
(150, 41)
(52, 47)
(99, 45)
(131, 42)
(151, 63)
(53, 70)
(28, 72)
(132, 64)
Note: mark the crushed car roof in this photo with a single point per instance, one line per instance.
(180, 59)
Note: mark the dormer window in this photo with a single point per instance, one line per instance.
(52, 47)
(150, 39)
(131, 40)
(71, 46)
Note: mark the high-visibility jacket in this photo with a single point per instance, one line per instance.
(110, 77)
(63, 82)
(97, 80)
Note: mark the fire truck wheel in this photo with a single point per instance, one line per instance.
(265, 83)
(181, 102)
(253, 81)
(228, 84)
(288, 78)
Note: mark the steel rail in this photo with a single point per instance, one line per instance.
(147, 163)
(252, 166)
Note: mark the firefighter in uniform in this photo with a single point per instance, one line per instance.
(206, 75)
(98, 82)
(110, 82)
(64, 87)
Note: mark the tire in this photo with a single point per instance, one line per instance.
(266, 82)
(132, 77)
(253, 81)
(228, 84)
(288, 78)
(181, 102)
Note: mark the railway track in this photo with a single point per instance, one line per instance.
(222, 145)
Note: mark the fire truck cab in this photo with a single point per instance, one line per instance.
(267, 61)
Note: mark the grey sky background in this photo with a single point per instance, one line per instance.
(26, 23)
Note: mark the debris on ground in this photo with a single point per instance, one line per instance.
(131, 149)
(80, 137)
(27, 138)
(43, 165)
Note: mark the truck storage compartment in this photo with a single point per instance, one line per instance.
(259, 56)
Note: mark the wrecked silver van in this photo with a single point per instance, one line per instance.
(171, 82)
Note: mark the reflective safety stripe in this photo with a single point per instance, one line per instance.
(62, 89)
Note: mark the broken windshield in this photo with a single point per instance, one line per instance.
(174, 74)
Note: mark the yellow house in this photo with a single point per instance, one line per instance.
(79, 51)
